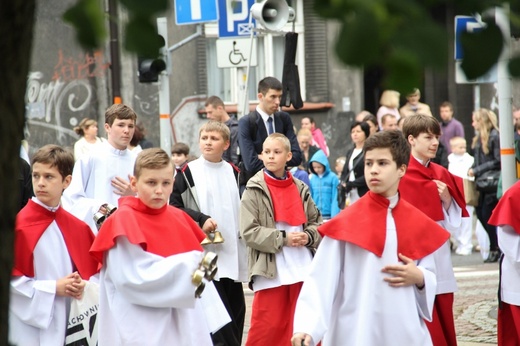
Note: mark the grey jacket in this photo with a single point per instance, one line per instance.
(257, 225)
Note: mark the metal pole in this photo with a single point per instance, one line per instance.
(243, 103)
(505, 99)
(476, 96)
(164, 90)
(115, 64)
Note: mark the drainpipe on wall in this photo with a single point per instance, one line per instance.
(115, 65)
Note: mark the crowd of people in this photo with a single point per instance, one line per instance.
(354, 255)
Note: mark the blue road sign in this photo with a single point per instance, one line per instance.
(195, 11)
(234, 18)
(464, 24)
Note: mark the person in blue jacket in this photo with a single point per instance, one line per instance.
(324, 185)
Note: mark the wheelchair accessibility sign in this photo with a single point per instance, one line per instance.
(234, 52)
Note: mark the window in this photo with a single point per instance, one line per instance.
(270, 55)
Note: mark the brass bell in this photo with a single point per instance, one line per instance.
(110, 209)
(99, 218)
(209, 260)
(206, 241)
(217, 238)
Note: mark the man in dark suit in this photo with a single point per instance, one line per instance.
(254, 128)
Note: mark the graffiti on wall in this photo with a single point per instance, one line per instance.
(55, 105)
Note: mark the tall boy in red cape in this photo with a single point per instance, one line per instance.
(438, 194)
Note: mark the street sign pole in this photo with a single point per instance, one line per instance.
(505, 99)
(164, 91)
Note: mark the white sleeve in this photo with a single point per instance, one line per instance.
(147, 279)
(426, 297)
(75, 199)
(452, 217)
(316, 299)
(32, 301)
(509, 242)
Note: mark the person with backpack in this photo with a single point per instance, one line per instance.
(254, 128)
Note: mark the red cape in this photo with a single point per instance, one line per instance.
(33, 220)
(166, 231)
(364, 224)
(287, 203)
(506, 212)
(418, 188)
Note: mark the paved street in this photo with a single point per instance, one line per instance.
(475, 302)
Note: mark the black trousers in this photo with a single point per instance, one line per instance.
(486, 203)
(232, 295)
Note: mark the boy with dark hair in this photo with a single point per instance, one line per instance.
(216, 110)
(180, 154)
(100, 178)
(438, 194)
(266, 119)
(374, 266)
(51, 257)
(206, 189)
(149, 252)
(278, 221)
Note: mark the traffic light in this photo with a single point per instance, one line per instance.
(149, 68)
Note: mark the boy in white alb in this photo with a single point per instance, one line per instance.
(212, 183)
(506, 218)
(372, 281)
(440, 195)
(103, 176)
(51, 259)
(149, 251)
(459, 164)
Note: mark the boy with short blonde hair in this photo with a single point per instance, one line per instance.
(206, 189)
(278, 221)
(51, 259)
(149, 252)
(372, 246)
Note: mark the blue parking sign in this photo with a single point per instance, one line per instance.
(195, 11)
(464, 24)
(234, 18)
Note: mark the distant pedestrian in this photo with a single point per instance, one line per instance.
(89, 141)
(216, 110)
(450, 127)
(389, 102)
(317, 136)
(413, 106)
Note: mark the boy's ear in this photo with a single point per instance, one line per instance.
(289, 156)
(411, 139)
(228, 143)
(107, 127)
(401, 171)
(133, 183)
(66, 181)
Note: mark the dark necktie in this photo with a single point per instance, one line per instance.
(270, 128)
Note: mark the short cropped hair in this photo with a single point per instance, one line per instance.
(181, 148)
(269, 83)
(386, 116)
(119, 111)
(414, 92)
(55, 156)
(152, 158)
(393, 140)
(311, 119)
(372, 118)
(457, 140)
(446, 104)
(364, 126)
(83, 125)
(304, 133)
(216, 126)
(420, 123)
(214, 101)
(281, 138)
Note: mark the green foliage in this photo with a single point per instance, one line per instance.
(88, 19)
(398, 36)
(481, 50)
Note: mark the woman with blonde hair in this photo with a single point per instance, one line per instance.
(389, 102)
(88, 130)
(486, 147)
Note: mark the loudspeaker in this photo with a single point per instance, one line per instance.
(272, 14)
